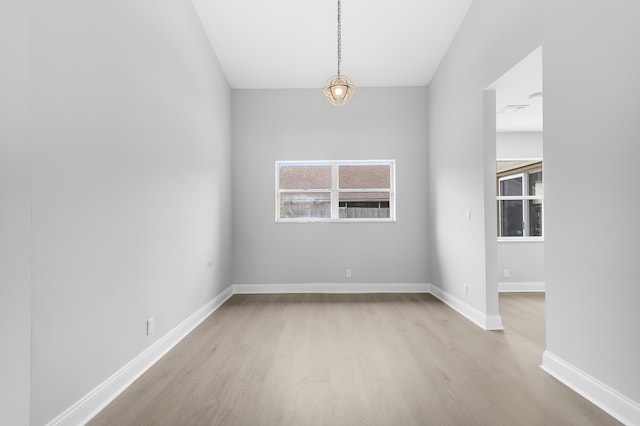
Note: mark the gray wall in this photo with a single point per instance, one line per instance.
(461, 156)
(518, 145)
(525, 260)
(131, 186)
(270, 125)
(590, 64)
(15, 213)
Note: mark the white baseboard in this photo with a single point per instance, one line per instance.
(91, 404)
(487, 322)
(332, 288)
(609, 400)
(521, 287)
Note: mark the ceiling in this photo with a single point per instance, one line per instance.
(293, 43)
(505, 166)
(516, 109)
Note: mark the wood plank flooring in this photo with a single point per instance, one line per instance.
(338, 359)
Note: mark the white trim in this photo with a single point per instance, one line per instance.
(521, 287)
(524, 197)
(93, 402)
(335, 191)
(87, 407)
(518, 197)
(520, 239)
(487, 322)
(335, 195)
(609, 400)
(534, 159)
(345, 220)
(613, 402)
(350, 288)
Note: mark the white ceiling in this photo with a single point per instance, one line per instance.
(515, 87)
(293, 43)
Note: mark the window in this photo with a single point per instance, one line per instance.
(338, 191)
(520, 195)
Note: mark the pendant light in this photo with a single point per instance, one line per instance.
(339, 88)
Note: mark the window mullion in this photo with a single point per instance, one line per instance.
(335, 195)
(525, 204)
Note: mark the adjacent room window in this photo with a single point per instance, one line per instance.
(520, 199)
(339, 191)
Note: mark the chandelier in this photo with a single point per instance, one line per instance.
(339, 88)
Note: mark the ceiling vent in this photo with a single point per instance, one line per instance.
(511, 109)
(535, 96)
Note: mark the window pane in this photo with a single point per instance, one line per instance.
(364, 205)
(305, 177)
(511, 186)
(511, 224)
(305, 204)
(535, 218)
(535, 184)
(359, 196)
(364, 176)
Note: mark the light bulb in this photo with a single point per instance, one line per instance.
(338, 90)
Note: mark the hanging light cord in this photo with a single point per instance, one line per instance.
(339, 89)
(339, 36)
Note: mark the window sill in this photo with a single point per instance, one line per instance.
(520, 239)
(336, 221)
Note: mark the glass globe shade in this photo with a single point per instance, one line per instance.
(339, 90)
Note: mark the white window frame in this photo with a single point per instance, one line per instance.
(525, 210)
(335, 191)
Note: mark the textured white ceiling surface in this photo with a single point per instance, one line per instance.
(515, 88)
(293, 43)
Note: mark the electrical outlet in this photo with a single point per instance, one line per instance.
(150, 326)
(506, 273)
(347, 273)
(466, 289)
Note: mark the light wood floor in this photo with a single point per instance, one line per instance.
(378, 359)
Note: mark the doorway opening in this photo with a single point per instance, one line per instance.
(519, 194)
